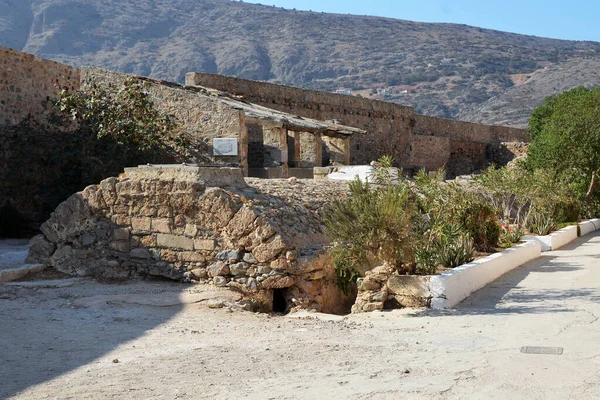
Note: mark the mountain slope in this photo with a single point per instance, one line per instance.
(442, 69)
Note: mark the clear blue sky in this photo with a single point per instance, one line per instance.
(561, 19)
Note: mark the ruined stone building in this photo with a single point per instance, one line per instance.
(203, 221)
(415, 141)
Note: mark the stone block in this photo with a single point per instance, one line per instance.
(409, 285)
(205, 244)
(191, 230)
(140, 253)
(174, 242)
(228, 255)
(121, 234)
(270, 249)
(168, 255)
(120, 246)
(88, 239)
(148, 241)
(239, 269)
(121, 220)
(143, 224)
(220, 281)
(218, 269)
(191, 256)
(200, 273)
(162, 225)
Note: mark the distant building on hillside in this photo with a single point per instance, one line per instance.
(344, 91)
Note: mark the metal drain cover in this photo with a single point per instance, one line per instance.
(556, 351)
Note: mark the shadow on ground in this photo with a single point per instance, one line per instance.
(50, 331)
(508, 295)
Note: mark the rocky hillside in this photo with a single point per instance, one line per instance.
(441, 69)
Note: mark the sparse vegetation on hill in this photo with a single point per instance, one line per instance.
(443, 70)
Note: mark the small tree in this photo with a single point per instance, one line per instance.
(123, 113)
(565, 135)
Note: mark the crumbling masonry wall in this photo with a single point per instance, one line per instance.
(414, 140)
(27, 83)
(191, 224)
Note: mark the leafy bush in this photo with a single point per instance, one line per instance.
(565, 139)
(448, 204)
(510, 236)
(370, 228)
(125, 114)
(533, 199)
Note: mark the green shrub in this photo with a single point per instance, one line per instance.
(123, 113)
(540, 222)
(510, 236)
(533, 199)
(370, 228)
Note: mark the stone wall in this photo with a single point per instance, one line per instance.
(391, 129)
(201, 117)
(27, 83)
(191, 224)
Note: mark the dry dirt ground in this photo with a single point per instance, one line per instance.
(80, 339)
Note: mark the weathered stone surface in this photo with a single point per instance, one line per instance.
(200, 273)
(143, 224)
(220, 281)
(174, 231)
(40, 250)
(121, 234)
(191, 256)
(148, 241)
(168, 255)
(409, 285)
(122, 246)
(228, 255)
(242, 222)
(239, 269)
(278, 282)
(191, 230)
(140, 253)
(174, 242)
(270, 249)
(162, 225)
(218, 269)
(205, 244)
(263, 270)
(366, 285)
(88, 239)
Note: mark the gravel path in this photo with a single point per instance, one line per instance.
(79, 339)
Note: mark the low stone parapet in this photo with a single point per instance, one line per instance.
(555, 240)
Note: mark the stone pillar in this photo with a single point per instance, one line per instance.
(243, 146)
(276, 148)
(310, 148)
(338, 149)
(347, 141)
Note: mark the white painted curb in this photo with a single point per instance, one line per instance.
(9, 275)
(555, 240)
(589, 226)
(451, 287)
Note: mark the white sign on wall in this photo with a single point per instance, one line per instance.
(225, 146)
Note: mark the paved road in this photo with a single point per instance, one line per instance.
(61, 343)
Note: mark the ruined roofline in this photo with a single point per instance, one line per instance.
(255, 111)
(189, 81)
(373, 103)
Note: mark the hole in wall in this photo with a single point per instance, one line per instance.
(280, 303)
(12, 223)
